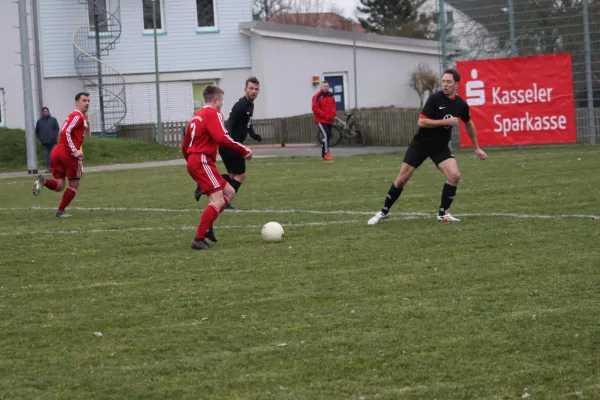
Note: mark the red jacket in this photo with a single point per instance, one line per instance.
(205, 132)
(323, 107)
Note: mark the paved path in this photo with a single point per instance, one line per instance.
(260, 151)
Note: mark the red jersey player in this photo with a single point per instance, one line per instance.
(66, 159)
(204, 134)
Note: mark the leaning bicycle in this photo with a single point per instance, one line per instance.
(348, 128)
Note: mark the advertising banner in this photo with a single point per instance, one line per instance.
(520, 100)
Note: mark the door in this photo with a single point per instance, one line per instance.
(336, 86)
(198, 88)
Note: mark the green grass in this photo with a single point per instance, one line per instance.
(13, 152)
(490, 308)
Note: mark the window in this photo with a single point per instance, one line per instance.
(197, 90)
(2, 113)
(149, 17)
(206, 11)
(97, 12)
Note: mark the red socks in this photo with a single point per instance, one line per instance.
(208, 217)
(51, 184)
(67, 197)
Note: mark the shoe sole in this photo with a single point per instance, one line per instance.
(379, 220)
(195, 247)
(37, 187)
(448, 220)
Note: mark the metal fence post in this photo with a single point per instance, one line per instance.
(32, 165)
(511, 22)
(588, 74)
(282, 125)
(443, 25)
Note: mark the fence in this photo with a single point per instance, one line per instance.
(483, 29)
(383, 127)
(388, 127)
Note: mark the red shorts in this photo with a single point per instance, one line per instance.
(204, 171)
(63, 165)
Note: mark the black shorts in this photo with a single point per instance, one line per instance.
(234, 161)
(416, 154)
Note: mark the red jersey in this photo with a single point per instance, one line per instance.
(205, 132)
(72, 132)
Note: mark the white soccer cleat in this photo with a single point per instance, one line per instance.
(447, 218)
(378, 218)
(38, 185)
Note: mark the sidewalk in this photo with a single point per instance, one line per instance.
(260, 151)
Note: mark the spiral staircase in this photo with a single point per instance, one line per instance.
(91, 44)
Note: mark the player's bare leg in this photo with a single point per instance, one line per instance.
(235, 180)
(451, 171)
(217, 202)
(393, 194)
(68, 196)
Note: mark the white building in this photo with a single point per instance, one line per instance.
(199, 42)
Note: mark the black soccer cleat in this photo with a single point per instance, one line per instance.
(230, 207)
(210, 235)
(61, 214)
(200, 244)
(197, 193)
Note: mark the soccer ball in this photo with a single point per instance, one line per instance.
(272, 232)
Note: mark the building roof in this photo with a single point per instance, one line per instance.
(332, 36)
(318, 20)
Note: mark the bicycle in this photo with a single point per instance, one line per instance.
(348, 128)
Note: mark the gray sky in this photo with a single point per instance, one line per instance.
(348, 6)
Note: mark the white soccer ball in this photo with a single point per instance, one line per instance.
(272, 232)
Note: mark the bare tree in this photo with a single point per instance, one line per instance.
(264, 10)
(311, 12)
(423, 79)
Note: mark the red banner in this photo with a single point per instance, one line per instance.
(521, 100)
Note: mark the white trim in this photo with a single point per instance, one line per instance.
(2, 108)
(346, 42)
(163, 28)
(215, 26)
(344, 76)
(193, 76)
(209, 173)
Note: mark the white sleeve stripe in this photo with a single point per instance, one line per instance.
(233, 141)
(68, 134)
(221, 121)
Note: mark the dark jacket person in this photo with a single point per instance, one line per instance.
(46, 130)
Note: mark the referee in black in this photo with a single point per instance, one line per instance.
(239, 126)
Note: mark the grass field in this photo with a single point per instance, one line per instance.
(13, 152)
(503, 305)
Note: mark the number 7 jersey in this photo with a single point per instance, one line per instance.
(205, 132)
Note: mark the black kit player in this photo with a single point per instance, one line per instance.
(440, 113)
(239, 126)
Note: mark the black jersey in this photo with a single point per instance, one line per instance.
(439, 106)
(239, 123)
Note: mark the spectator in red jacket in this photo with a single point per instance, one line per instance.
(323, 107)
